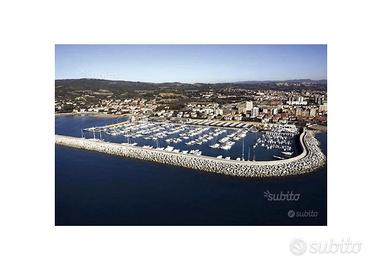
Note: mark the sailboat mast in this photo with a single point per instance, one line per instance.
(242, 150)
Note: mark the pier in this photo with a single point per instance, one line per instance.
(309, 160)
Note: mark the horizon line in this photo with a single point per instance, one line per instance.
(216, 82)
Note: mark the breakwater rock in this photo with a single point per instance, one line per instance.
(309, 160)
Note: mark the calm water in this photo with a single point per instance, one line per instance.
(98, 189)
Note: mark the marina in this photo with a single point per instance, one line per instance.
(240, 143)
(216, 150)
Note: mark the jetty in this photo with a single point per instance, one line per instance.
(309, 160)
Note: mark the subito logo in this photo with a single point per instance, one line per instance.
(291, 213)
(298, 247)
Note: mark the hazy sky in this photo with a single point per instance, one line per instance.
(191, 63)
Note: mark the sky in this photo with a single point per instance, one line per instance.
(191, 63)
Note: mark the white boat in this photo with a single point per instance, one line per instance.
(216, 145)
(226, 147)
(169, 148)
(242, 135)
(223, 140)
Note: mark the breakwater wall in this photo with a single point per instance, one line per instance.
(309, 160)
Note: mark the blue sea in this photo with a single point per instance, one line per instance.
(98, 189)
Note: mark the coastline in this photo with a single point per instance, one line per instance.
(94, 114)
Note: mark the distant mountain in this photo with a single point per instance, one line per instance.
(95, 84)
(302, 81)
(76, 87)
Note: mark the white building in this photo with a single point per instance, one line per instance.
(312, 112)
(255, 112)
(219, 112)
(245, 106)
(323, 108)
(299, 101)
